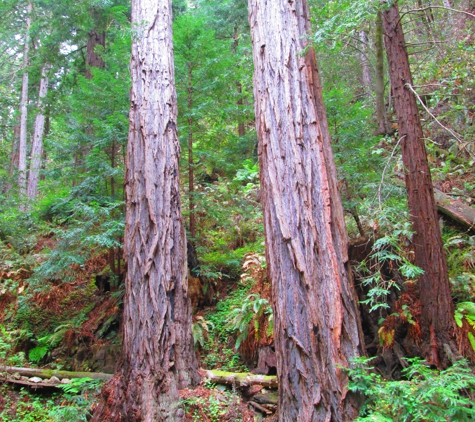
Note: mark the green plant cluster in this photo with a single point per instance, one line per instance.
(73, 405)
(424, 394)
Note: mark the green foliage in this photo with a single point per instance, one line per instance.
(423, 395)
(217, 354)
(215, 407)
(31, 409)
(248, 313)
(466, 310)
(200, 330)
(91, 225)
(8, 341)
(387, 250)
(47, 343)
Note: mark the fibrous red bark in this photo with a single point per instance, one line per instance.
(157, 356)
(437, 319)
(316, 316)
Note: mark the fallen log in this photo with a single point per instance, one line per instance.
(241, 380)
(48, 373)
(455, 209)
(218, 377)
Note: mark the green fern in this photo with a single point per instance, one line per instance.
(251, 310)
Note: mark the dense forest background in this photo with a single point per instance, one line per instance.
(65, 82)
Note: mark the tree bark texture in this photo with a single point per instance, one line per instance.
(241, 127)
(22, 147)
(37, 144)
(157, 356)
(379, 78)
(316, 316)
(437, 319)
(93, 59)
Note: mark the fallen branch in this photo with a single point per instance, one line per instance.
(241, 380)
(260, 408)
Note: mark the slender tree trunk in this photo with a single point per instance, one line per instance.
(240, 102)
(37, 145)
(22, 147)
(241, 127)
(316, 315)
(113, 159)
(365, 68)
(191, 174)
(13, 157)
(437, 319)
(15, 147)
(379, 78)
(96, 37)
(157, 356)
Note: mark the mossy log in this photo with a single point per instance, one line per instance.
(455, 209)
(241, 380)
(218, 377)
(48, 373)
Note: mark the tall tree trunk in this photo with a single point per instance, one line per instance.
(22, 147)
(13, 157)
(157, 356)
(95, 38)
(316, 315)
(379, 78)
(37, 145)
(15, 146)
(241, 127)
(437, 319)
(191, 173)
(365, 68)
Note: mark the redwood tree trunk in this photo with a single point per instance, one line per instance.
(437, 319)
(157, 356)
(22, 147)
(379, 78)
(93, 59)
(191, 171)
(316, 316)
(37, 145)
(365, 65)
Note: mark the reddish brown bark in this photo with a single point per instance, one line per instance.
(437, 320)
(316, 317)
(93, 58)
(157, 355)
(191, 168)
(379, 78)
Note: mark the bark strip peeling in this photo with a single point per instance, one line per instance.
(157, 355)
(316, 317)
